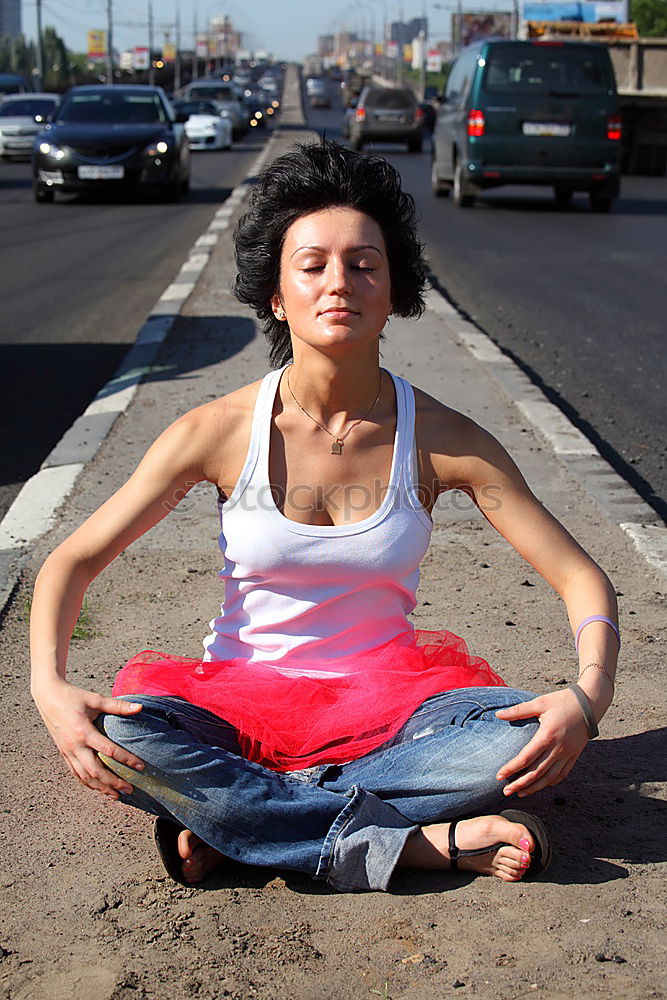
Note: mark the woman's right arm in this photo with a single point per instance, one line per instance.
(181, 457)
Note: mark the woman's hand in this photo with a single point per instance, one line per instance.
(69, 713)
(553, 750)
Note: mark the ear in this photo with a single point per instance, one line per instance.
(277, 307)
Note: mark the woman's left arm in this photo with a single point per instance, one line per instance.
(487, 473)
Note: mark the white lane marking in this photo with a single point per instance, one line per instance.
(115, 401)
(196, 260)
(482, 348)
(206, 240)
(557, 429)
(177, 290)
(33, 510)
(650, 540)
(438, 304)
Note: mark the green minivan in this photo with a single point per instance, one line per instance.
(533, 112)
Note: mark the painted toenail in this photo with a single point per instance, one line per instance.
(525, 860)
(524, 843)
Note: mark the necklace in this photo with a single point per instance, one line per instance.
(337, 443)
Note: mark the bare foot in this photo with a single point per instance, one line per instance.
(198, 858)
(428, 847)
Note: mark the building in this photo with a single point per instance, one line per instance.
(325, 46)
(10, 18)
(403, 32)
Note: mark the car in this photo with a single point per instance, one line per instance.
(318, 93)
(205, 127)
(257, 109)
(529, 112)
(348, 115)
(15, 83)
(22, 117)
(387, 114)
(122, 138)
(223, 94)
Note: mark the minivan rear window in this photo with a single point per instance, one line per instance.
(559, 70)
(389, 98)
(209, 92)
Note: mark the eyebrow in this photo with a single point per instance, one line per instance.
(364, 246)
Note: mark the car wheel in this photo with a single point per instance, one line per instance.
(439, 188)
(462, 197)
(600, 202)
(43, 194)
(563, 196)
(415, 145)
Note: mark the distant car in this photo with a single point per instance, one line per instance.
(387, 114)
(318, 93)
(205, 128)
(22, 117)
(15, 83)
(257, 110)
(122, 138)
(347, 120)
(224, 95)
(430, 114)
(530, 112)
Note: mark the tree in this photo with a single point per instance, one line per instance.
(56, 61)
(650, 16)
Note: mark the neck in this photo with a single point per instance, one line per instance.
(335, 388)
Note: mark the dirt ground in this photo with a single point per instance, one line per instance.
(86, 909)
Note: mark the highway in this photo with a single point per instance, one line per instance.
(578, 300)
(77, 281)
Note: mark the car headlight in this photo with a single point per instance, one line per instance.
(48, 149)
(157, 148)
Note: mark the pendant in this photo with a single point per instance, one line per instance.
(337, 447)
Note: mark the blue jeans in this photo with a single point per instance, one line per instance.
(346, 824)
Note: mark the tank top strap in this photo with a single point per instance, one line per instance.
(259, 436)
(407, 470)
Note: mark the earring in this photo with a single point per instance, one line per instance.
(280, 314)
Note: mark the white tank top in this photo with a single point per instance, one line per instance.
(301, 592)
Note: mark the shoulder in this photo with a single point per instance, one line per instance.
(458, 449)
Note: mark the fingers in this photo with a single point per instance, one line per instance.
(524, 710)
(535, 748)
(114, 706)
(103, 745)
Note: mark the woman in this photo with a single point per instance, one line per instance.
(321, 732)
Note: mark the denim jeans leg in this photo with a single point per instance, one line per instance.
(195, 774)
(443, 763)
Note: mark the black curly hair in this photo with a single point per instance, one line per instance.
(309, 178)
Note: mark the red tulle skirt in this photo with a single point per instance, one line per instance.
(287, 721)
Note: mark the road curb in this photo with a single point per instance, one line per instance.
(34, 509)
(608, 489)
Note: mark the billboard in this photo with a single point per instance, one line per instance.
(484, 24)
(168, 52)
(97, 44)
(140, 58)
(587, 11)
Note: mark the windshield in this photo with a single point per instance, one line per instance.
(112, 109)
(211, 93)
(196, 107)
(544, 69)
(26, 109)
(389, 99)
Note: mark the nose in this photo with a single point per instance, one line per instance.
(338, 276)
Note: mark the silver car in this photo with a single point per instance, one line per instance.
(224, 96)
(22, 116)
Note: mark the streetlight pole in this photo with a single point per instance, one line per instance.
(110, 42)
(40, 48)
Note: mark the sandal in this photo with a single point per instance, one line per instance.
(541, 857)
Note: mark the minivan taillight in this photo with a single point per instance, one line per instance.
(476, 122)
(360, 115)
(614, 127)
(419, 116)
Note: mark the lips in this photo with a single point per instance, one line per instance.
(339, 311)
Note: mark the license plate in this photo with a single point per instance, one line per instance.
(101, 173)
(390, 116)
(547, 128)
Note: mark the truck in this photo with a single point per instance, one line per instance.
(640, 66)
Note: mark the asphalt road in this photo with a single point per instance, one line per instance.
(77, 281)
(578, 300)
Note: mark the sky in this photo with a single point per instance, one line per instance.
(286, 28)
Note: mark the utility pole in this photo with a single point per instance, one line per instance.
(195, 39)
(40, 48)
(110, 42)
(400, 65)
(151, 67)
(177, 64)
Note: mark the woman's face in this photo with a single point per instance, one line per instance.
(334, 279)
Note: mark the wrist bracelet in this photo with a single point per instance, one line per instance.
(586, 709)
(599, 667)
(596, 618)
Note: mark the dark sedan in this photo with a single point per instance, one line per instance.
(121, 138)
